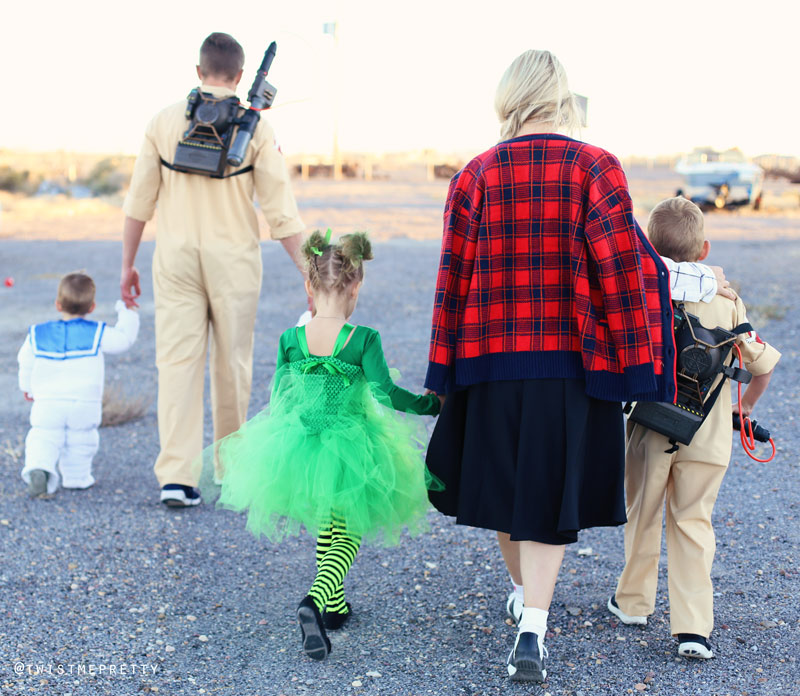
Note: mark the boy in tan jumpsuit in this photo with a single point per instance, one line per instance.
(689, 479)
(206, 271)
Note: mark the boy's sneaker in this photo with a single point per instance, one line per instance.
(514, 608)
(693, 645)
(613, 607)
(37, 485)
(177, 495)
(526, 661)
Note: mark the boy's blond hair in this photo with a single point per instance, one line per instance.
(76, 293)
(675, 229)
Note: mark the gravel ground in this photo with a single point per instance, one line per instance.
(189, 603)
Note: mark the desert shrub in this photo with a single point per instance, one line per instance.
(106, 177)
(118, 408)
(16, 181)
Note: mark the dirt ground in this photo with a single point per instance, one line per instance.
(404, 206)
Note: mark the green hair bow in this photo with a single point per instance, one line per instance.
(319, 252)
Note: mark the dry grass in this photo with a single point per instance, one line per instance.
(118, 408)
(761, 314)
(14, 451)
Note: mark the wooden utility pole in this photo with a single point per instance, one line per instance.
(332, 28)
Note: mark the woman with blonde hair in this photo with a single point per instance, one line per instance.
(551, 308)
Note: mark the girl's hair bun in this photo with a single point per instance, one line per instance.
(356, 248)
(314, 246)
(333, 267)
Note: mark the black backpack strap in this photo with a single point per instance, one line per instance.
(746, 327)
(243, 170)
(168, 165)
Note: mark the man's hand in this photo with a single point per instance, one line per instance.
(129, 286)
(723, 286)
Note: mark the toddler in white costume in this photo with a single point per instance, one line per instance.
(61, 370)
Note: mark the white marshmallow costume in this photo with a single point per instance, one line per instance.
(61, 367)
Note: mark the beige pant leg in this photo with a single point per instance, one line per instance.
(234, 284)
(647, 470)
(181, 345)
(691, 545)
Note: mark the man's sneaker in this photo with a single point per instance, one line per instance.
(692, 645)
(177, 495)
(315, 641)
(526, 661)
(514, 608)
(37, 485)
(613, 607)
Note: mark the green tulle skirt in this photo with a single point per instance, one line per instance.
(316, 452)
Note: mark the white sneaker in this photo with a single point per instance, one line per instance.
(177, 495)
(693, 645)
(613, 607)
(526, 660)
(514, 608)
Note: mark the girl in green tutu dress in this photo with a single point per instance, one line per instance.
(329, 453)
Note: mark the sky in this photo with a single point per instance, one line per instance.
(661, 77)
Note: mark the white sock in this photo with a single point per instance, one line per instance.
(534, 621)
(518, 593)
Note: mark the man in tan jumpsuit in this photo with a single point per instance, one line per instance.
(206, 271)
(688, 479)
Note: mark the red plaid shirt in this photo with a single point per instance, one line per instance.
(544, 272)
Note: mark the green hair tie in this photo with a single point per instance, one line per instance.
(319, 252)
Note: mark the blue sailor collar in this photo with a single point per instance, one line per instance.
(62, 340)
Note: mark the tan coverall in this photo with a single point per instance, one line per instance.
(689, 480)
(206, 274)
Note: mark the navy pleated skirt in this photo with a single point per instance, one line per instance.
(538, 459)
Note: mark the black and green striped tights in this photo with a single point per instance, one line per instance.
(336, 551)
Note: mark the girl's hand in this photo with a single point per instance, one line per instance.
(27, 396)
(441, 398)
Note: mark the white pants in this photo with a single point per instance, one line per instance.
(62, 441)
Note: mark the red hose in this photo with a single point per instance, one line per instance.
(746, 428)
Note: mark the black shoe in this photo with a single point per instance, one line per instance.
(693, 645)
(178, 495)
(38, 483)
(315, 642)
(526, 662)
(334, 620)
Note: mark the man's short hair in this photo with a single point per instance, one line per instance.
(221, 56)
(76, 293)
(675, 229)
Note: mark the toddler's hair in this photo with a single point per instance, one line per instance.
(338, 265)
(675, 229)
(76, 293)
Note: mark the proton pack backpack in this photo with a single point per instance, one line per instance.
(701, 359)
